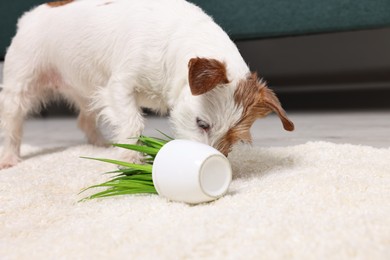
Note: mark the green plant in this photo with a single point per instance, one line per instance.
(131, 178)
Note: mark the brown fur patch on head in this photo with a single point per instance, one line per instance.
(205, 74)
(59, 3)
(257, 101)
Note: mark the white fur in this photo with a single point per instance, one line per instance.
(110, 58)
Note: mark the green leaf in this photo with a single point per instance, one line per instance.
(144, 177)
(131, 178)
(167, 136)
(142, 167)
(119, 191)
(143, 149)
(152, 142)
(126, 171)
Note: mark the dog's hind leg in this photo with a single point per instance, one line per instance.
(20, 95)
(14, 107)
(87, 123)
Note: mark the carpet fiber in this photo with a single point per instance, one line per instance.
(317, 200)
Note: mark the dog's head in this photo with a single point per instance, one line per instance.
(219, 112)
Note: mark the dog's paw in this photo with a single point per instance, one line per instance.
(8, 161)
(100, 142)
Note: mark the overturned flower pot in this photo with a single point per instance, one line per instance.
(179, 170)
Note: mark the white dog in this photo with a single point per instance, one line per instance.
(110, 58)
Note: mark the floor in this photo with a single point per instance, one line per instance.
(363, 128)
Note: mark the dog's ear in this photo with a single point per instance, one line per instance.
(269, 100)
(205, 74)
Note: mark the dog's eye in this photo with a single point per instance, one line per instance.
(202, 124)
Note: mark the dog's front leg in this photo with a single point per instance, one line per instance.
(120, 110)
(127, 131)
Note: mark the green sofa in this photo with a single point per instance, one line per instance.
(254, 19)
(250, 19)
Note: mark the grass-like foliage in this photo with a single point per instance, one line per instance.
(131, 178)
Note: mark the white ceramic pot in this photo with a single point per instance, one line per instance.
(191, 172)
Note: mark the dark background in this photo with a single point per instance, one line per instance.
(343, 70)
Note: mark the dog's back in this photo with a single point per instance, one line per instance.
(98, 38)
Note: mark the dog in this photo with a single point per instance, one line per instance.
(110, 58)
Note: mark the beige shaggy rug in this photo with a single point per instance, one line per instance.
(312, 201)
